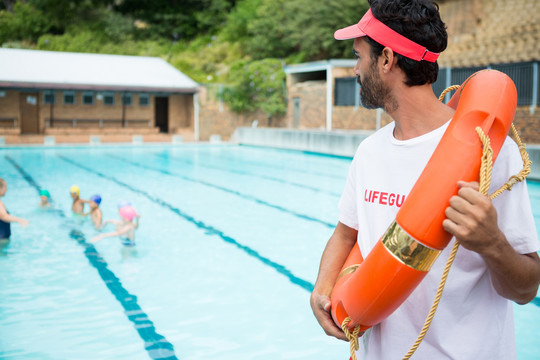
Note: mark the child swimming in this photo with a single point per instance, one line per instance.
(125, 228)
(95, 211)
(78, 204)
(45, 197)
(5, 218)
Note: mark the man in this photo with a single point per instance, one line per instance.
(397, 44)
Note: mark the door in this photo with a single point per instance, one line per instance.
(162, 114)
(296, 112)
(29, 103)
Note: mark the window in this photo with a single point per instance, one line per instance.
(144, 100)
(345, 92)
(88, 98)
(522, 75)
(459, 75)
(69, 97)
(49, 97)
(127, 99)
(108, 98)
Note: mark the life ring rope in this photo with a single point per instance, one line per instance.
(485, 181)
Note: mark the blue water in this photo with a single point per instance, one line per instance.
(227, 253)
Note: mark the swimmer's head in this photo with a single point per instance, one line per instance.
(74, 191)
(128, 213)
(45, 193)
(123, 203)
(95, 199)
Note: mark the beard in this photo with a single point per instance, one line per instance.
(373, 92)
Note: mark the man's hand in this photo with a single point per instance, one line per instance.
(320, 304)
(472, 219)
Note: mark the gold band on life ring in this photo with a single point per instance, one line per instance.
(348, 270)
(408, 250)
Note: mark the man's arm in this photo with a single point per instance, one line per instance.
(338, 248)
(472, 219)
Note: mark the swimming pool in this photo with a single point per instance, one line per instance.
(227, 253)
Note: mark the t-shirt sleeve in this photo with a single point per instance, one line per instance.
(348, 212)
(514, 213)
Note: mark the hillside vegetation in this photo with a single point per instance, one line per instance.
(242, 44)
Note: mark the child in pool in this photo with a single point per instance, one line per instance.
(78, 204)
(125, 228)
(45, 197)
(95, 211)
(5, 218)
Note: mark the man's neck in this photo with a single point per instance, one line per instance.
(418, 112)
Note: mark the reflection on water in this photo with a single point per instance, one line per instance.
(3, 246)
(128, 252)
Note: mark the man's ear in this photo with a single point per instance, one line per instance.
(387, 59)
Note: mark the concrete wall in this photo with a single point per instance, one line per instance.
(334, 142)
(215, 117)
(534, 155)
(180, 112)
(341, 143)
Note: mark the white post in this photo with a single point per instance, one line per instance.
(379, 113)
(196, 116)
(534, 89)
(329, 89)
(448, 83)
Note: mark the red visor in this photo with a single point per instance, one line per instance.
(385, 36)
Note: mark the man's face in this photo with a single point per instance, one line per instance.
(74, 195)
(3, 189)
(373, 91)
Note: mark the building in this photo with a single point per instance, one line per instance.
(494, 34)
(60, 93)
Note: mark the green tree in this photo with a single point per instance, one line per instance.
(26, 22)
(238, 20)
(178, 19)
(257, 84)
(312, 27)
(299, 30)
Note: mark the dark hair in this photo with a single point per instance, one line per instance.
(419, 21)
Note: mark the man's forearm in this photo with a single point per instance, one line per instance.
(514, 276)
(338, 248)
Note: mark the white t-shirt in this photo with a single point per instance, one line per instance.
(472, 320)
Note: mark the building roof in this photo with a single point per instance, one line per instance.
(321, 65)
(36, 69)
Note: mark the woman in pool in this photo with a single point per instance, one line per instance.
(125, 228)
(5, 218)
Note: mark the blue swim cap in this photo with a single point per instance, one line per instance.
(123, 203)
(96, 198)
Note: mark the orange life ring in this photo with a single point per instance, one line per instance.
(369, 290)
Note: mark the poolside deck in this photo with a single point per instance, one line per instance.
(94, 136)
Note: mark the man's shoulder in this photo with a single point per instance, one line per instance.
(376, 139)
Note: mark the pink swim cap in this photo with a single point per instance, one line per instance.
(128, 212)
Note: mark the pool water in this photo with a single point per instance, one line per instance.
(227, 253)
